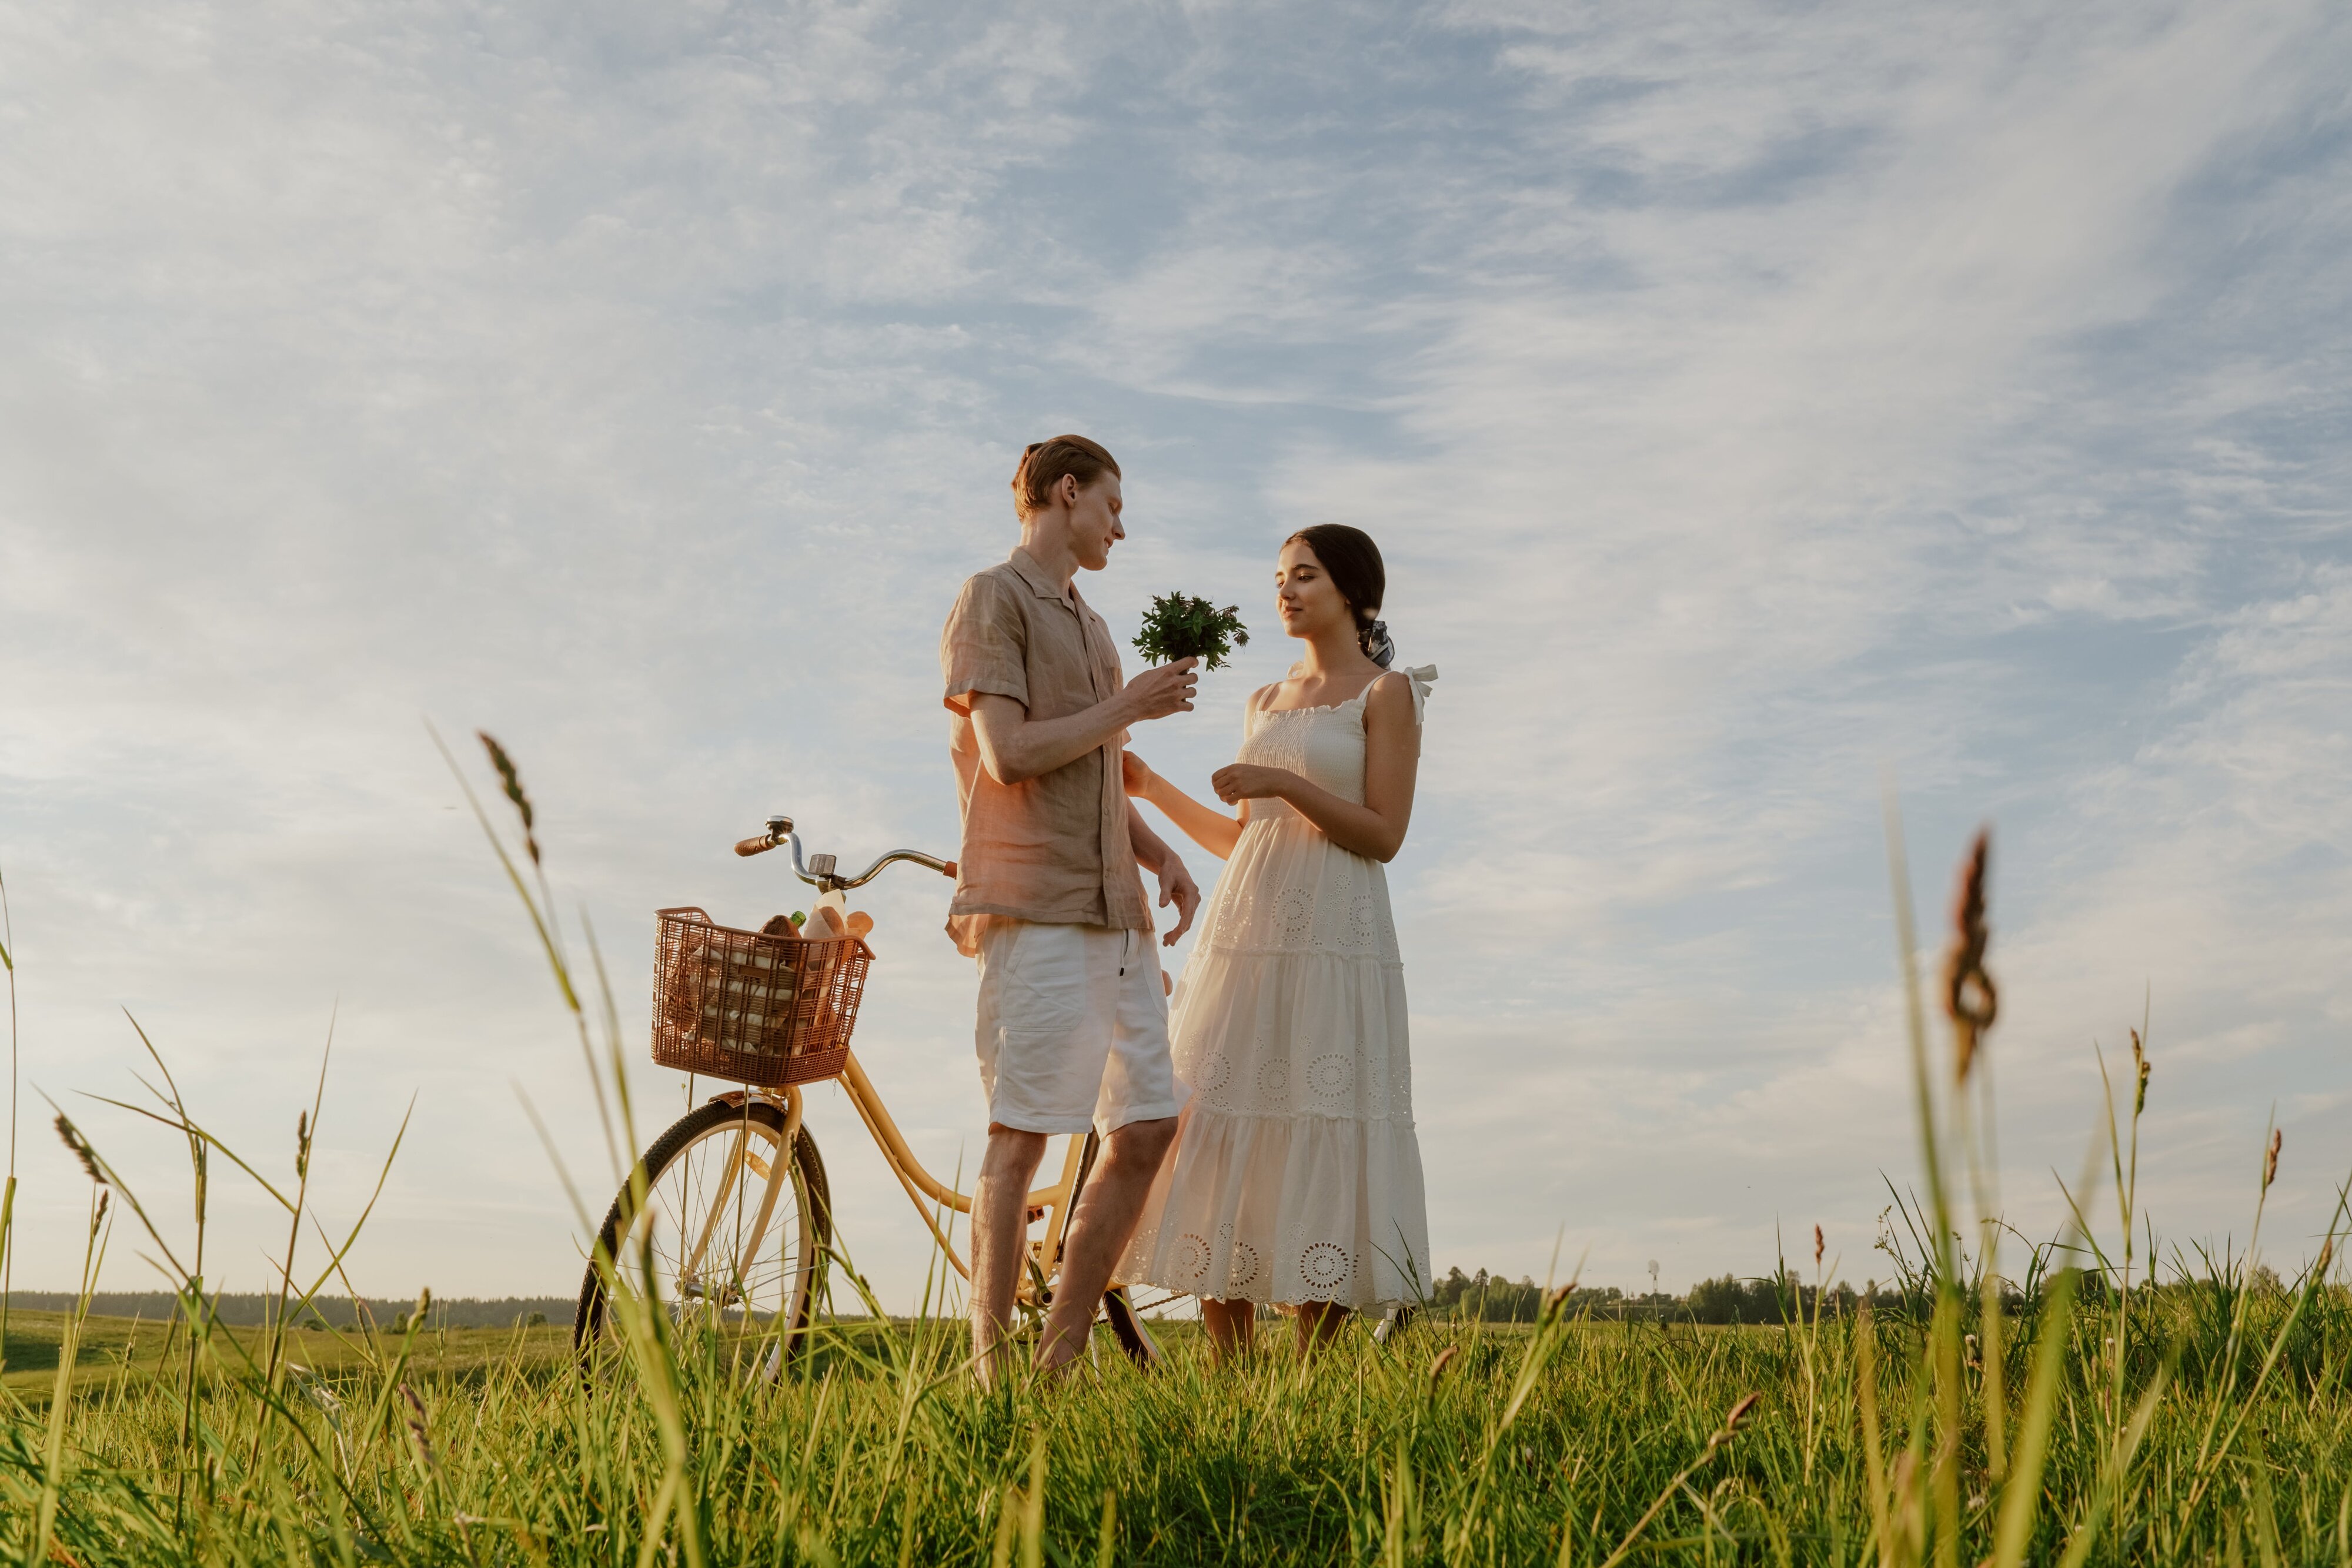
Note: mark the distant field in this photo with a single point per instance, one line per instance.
(254, 1309)
(126, 1350)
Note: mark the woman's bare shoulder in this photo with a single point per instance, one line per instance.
(1390, 695)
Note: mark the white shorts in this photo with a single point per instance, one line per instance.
(1073, 1027)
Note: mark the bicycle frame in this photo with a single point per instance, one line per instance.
(925, 1191)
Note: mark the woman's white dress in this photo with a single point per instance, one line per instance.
(1296, 1176)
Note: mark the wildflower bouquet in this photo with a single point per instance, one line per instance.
(1180, 626)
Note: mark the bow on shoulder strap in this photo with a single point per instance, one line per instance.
(1420, 676)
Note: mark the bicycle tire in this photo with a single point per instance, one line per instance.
(1126, 1326)
(813, 1207)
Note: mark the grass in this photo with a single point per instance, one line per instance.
(1538, 1445)
(2058, 1407)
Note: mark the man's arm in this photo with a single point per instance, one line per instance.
(1015, 748)
(1176, 883)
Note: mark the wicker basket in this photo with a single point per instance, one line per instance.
(753, 1008)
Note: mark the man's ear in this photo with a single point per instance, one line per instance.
(1068, 486)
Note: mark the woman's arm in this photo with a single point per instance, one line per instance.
(1206, 826)
(1376, 828)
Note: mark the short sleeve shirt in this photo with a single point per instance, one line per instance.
(1052, 849)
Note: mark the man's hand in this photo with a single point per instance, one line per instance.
(1248, 781)
(1177, 888)
(1134, 774)
(1162, 690)
(1015, 748)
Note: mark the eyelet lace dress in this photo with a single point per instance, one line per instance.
(1296, 1176)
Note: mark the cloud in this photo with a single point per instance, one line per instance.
(1749, 402)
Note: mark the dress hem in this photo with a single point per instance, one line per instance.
(1377, 1304)
(1400, 1121)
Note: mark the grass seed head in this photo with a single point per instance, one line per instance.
(1970, 998)
(1437, 1368)
(80, 1147)
(511, 782)
(418, 1429)
(1820, 1245)
(1735, 1419)
(2270, 1158)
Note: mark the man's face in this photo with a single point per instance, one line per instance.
(1094, 521)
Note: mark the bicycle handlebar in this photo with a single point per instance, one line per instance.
(819, 872)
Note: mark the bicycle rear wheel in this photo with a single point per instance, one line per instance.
(730, 1237)
(1126, 1326)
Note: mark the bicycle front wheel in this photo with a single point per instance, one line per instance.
(730, 1236)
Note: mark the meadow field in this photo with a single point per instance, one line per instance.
(2221, 1434)
(2058, 1402)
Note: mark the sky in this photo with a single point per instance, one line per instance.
(1761, 408)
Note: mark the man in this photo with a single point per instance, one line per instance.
(1073, 1028)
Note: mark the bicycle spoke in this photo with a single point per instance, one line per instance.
(719, 1256)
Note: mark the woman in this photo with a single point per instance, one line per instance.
(1296, 1178)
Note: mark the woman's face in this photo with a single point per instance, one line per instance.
(1304, 595)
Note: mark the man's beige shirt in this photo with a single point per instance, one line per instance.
(1054, 849)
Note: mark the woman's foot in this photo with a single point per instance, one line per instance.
(1319, 1322)
(1232, 1329)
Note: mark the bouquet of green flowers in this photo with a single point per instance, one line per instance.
(1183, 627)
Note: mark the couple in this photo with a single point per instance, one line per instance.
(1296, 1178)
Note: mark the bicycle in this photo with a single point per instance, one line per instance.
(734, 1227)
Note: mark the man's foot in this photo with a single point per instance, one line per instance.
(1058, 1348)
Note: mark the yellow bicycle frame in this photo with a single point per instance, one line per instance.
(924, 1190)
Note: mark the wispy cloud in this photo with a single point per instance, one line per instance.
(1749, 401)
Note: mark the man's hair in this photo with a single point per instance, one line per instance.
(1043, 465)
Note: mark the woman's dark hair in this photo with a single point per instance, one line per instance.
(1353, 563)
(1043, 465)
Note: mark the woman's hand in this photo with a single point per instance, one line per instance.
(1211, 829)
(1135, 774)
(1248, 781)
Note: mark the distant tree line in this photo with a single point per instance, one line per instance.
(255, 1309)
(1775, 1298)
(1771, 1299)
(1496, 1299)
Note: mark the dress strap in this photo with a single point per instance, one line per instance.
(1420, 678)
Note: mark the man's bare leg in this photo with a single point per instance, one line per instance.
(1100, 1231)
(1232, 1328)
(1319, 1323)
(999, 1239)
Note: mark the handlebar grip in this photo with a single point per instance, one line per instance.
(949, 871)
(757, 844)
